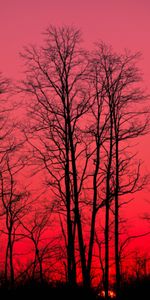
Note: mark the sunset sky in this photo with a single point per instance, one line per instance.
(121, 23)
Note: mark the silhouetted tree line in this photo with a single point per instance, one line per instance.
(82, 112)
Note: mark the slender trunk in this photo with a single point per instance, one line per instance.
(11, 258)
(41, 270)
(80, 232)
(107, 249)
(107, 208)
(6, 262)
(34, 266)
(40, 265)
(75, 190)
(117, 258)
(7, 249)
(71, 264)
(71, 255)
(94, 209)
(95, 191)
(108, 194)
(92, 233)
(70, 245)
(86, 279)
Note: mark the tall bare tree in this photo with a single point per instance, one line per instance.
(65, 88)
(58, 89)
(128, 120)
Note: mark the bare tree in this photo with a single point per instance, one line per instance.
(58, 89)
(34, 231)
(14, 205)
(64, 90)
(102, 132)
(120, 78)
(6, 146)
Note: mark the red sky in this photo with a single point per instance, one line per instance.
(122, 23)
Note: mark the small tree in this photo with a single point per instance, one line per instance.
(34, 232)
(14, 205)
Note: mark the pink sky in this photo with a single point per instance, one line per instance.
(122, 23)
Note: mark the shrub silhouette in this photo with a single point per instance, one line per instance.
(136, 288)
(46, 290)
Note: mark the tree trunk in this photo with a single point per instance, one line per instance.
(117, 258)
(40, 265)
(94, 211)
(107, 250)
(70, 236)
(6, 263)
(11, 259)
(86, 279)
(108, 198)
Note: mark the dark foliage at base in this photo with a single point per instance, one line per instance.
(44, 291)
(138, 288)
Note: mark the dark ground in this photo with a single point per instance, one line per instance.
(131, 289)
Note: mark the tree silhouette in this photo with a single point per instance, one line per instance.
(84, 112)
(56, 79)
(128, 120)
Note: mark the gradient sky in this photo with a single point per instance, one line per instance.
(122, 23)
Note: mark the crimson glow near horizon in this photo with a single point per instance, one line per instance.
(121, 23)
